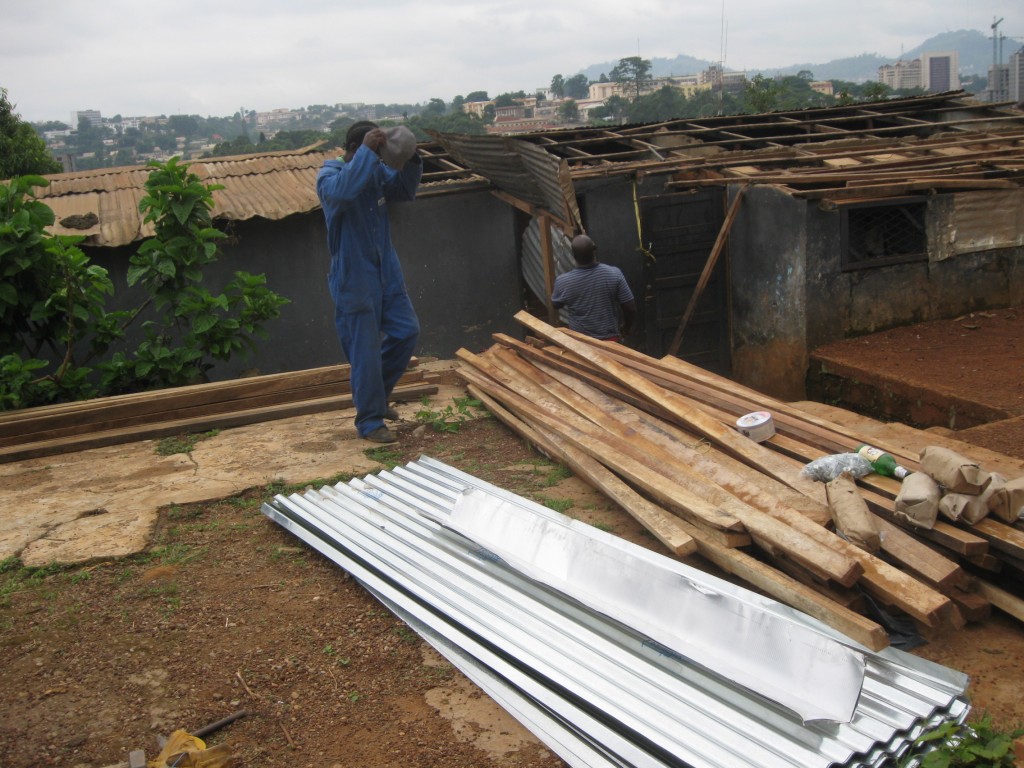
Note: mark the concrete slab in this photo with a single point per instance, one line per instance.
(103, 502)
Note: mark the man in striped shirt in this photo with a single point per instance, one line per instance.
(593, 293)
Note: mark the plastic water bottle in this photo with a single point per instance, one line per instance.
(883, 463)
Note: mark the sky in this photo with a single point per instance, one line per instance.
(153, 57)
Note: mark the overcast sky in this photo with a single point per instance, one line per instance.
(151, 57)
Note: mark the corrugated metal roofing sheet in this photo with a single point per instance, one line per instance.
(631, 700)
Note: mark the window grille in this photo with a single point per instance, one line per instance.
(884, 233)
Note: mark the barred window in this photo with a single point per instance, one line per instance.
(883, 233)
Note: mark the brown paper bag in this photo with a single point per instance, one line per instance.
(850, 513)
(918, 500)
(955, 473)
(1006, 499)
(963, 507)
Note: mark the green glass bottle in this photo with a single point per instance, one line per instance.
(883, 463)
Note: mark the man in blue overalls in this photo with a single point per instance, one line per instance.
(375, 319)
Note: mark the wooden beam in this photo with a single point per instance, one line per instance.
(709, 267)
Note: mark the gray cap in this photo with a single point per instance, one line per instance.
(399, 147)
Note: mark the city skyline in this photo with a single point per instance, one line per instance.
(214, 60)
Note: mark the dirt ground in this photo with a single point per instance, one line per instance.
(226, 612)
(978, 357)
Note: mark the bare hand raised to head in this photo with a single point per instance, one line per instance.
(375, 139)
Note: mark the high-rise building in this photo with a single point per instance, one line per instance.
(935, 71)
(1016, 76)
(940, 71)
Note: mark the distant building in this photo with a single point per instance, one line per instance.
(903, 75)
(1016, 76)
(940, 71)
(92, 115)
(823, 87)
(935, 72)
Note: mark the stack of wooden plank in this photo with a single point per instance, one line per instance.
(658, 436)
(64, 427)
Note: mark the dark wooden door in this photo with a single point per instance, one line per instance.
(679, 231)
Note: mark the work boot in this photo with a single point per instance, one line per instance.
(381, 435)
(391, 414)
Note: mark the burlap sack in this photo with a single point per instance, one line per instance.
(1005, 498)
(963, 507)
(850, 513)
(952, 471)
(918, 500)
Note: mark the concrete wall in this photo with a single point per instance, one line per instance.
(791, 295)
(769, 278)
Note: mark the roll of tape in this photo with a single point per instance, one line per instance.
(758, 426)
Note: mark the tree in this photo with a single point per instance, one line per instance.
(435, 108)
(558, 87)
(664, 104)
(183, 125)
(761, 94)
(577, 87)
(635, 70)
(875, 91)
(22, 151)
(478, 96)
(569, 111)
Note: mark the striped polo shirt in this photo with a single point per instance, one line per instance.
(591, 295)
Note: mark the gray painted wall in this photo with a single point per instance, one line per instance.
(458, 255)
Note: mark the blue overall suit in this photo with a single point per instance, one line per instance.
(365, 278)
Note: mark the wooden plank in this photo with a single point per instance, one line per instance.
(666, 491)
(787, 590)
(973, 605)
(105, 418)
(668, 459)
(939, 571)
(1005, 601)
(1000, 536)
(80, 412)
(663, 525)
(729, 439)
(198, 424)
(709, 267)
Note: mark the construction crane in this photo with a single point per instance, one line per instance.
(996, 57)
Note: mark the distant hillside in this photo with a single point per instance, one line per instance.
(974, 51)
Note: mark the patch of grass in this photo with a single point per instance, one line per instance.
(354, 696)
(451, 417)
(384, 454)
(557, 474)
(177, 553)
(559, 505)
(16, 577)
(183, 443)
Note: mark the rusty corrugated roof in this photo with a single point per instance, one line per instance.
(944, 141)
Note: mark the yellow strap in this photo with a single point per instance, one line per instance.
(639, 229)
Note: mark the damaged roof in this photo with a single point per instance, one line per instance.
(940, 142)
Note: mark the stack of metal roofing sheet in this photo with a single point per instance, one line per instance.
(593, 687)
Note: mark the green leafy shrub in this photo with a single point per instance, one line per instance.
(978, 744)
(53, 318)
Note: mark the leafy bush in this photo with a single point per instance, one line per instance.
(52, 300)
(976, 744)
